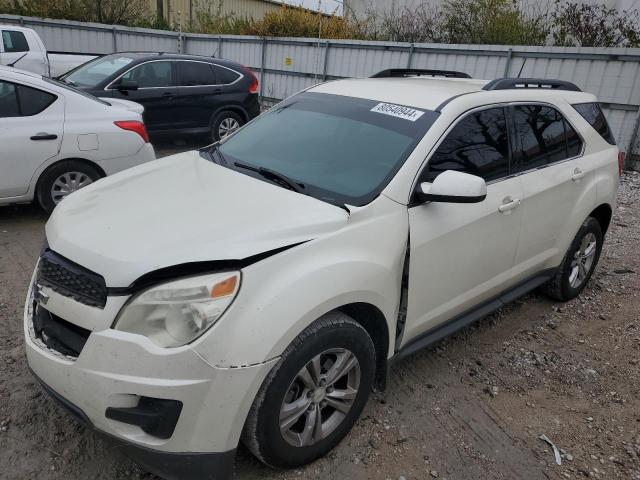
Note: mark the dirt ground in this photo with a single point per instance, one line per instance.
(472, 407)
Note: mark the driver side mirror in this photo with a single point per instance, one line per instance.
(127, 85)
(452, 187)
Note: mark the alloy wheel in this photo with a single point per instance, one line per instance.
(68, 183)
(319, 398)
(583, 260)
(227, 127)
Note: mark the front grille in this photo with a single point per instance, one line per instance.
(71, 280)
(58, 334)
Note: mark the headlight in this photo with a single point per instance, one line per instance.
(176, 313)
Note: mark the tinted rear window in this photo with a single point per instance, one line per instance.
(14, 41)
(593, 114)
(192, 74)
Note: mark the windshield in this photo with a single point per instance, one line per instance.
(92, 73)
(342, 150)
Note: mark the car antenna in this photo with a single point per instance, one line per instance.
(13, 63)
(521, 67)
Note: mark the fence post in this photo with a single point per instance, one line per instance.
(411, 49)
(219, 54)
(326, 57)
(21, 21)
(114, 36)
(262, 62)
(628, 162)
(508, 64)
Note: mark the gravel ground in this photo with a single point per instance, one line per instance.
(472, 407)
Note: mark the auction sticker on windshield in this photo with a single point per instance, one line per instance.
(398, 111)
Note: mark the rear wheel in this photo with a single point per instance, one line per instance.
(578, 264)
(61, 180)
(225, 124)
(313, 395)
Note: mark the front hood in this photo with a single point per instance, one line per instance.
(124, 104)
(177, 210)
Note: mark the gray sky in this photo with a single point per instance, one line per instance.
(326, 5)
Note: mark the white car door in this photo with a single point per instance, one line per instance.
(462, 254)
(555, 177)
(31, 129)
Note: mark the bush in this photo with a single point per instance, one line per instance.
(595, 25)
(502, 22)
(122, 12)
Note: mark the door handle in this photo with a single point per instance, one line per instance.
(577, 175)
(217, 91)
(509, 204)
(44, 136)
(169, 95)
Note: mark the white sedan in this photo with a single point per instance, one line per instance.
(55, 139)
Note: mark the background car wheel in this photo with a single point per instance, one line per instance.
(225, 124)
(313, 395)
(62, 179)
(578, 264)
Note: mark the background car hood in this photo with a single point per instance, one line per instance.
(177, 210)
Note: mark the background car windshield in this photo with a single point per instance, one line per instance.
(343, 149)
(95, 71)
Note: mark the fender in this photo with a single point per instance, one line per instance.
(282, 295)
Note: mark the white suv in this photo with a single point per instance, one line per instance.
(259, 289)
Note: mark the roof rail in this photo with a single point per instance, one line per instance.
(416, 72)
(510, 83)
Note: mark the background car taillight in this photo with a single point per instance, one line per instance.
(620, 162)
(253, 88)
(134, 126)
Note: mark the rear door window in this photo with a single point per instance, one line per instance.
(33, 101)
(151, 75)
(478, 145)
(193, 74)
(8, 100)
(593, 114)
(14, 41)
(542, 136)
(22, 101)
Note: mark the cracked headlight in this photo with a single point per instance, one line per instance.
(176, 313)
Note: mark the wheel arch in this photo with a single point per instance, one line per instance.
(603, 215)
(58, 162)
(231, 108)
(374, 322)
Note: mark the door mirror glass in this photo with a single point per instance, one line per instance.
(453, 187)
(127, 85)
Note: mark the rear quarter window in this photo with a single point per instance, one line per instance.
(224, 75)
(593, 114)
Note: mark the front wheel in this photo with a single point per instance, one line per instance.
(578, 264)
(313, 395)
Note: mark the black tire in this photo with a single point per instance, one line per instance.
(559, 287)
(220, 119)
(45, 183)
(262, 434)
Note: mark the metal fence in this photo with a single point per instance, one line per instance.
(287, 65)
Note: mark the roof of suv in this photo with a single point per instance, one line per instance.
(431, 92)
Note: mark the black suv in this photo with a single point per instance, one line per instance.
(181, 94)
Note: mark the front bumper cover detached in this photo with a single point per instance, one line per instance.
(171, 466)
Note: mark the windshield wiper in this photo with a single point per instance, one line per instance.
(274, 176)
